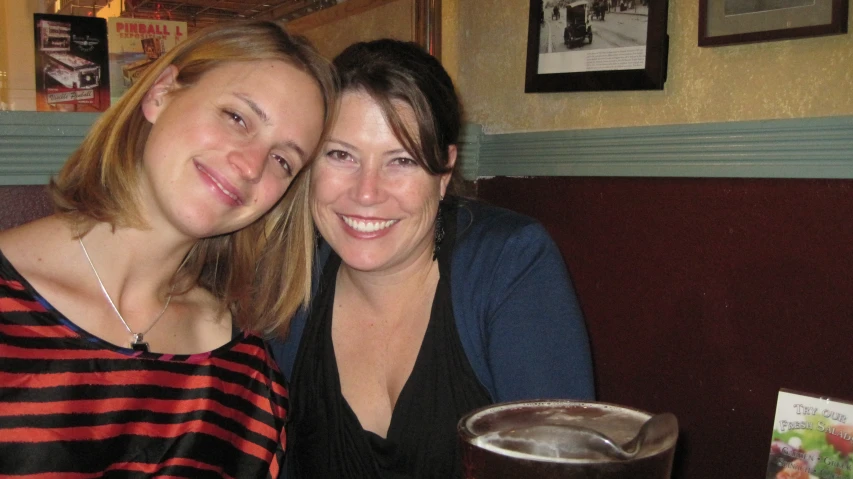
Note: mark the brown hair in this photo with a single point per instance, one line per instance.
(393, 71)
(261, 272)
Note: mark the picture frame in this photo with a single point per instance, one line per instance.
(622, 45)
(425, 22)
(729, 22)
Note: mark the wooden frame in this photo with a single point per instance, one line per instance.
(558, 62)
(426, 19)
(727, 22)
(428, 25)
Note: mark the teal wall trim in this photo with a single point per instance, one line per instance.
(795, 148)
(467, 160)
(33, 147)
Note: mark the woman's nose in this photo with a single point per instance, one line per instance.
(249, 162)
(368, 186)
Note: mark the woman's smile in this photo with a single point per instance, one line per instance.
(362, 225)
(219, 185)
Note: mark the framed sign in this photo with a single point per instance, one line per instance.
(596, 45)
(72, 63)
(726, 22)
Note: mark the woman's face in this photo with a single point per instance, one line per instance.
(223, 151)
(370, 200)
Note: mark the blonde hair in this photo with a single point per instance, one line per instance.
(261, 272)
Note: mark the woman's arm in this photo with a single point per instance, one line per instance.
(519, 319)
(537, 341)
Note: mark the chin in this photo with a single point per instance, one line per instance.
(361, 263)
(202, 230)
(205, 225)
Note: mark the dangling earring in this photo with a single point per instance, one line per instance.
(439, 231)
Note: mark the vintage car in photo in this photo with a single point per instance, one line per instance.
(578, 24)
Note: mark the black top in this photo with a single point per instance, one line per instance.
(324, 436)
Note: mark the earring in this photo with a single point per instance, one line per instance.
(439, 232)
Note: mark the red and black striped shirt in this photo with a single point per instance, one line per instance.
(74, 406)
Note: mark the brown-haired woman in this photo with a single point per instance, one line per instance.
(429, 305)
(130, 320)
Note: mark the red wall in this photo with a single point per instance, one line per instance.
(704, 297)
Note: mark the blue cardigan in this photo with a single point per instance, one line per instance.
(517, 314)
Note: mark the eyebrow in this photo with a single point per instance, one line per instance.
(266, 119)
(254, 106)
(353, 147)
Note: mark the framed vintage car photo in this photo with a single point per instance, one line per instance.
(595, 45)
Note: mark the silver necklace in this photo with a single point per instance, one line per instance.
(137, 342)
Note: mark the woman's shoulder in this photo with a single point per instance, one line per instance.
(35, 234)
(480, 221)
(39, 249)
(491, 238)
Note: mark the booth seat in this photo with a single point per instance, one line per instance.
(20, 204)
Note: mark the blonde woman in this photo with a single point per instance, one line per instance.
(130, 320)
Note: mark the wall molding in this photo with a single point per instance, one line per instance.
(33, 146)
(790, 148)
(467, 161)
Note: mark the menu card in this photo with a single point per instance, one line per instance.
(812, 438)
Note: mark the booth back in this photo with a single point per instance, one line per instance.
(704, 297)
(21, 204)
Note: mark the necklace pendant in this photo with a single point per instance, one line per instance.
(137, 344)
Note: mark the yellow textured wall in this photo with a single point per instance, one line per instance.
(450, 33)
(4, 60)
(809, 77)
(17, 27)
(392, 20)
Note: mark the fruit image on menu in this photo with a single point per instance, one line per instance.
(812, 438)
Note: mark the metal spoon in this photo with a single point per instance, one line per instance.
(657, 427)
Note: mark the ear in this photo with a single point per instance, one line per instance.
(451, 162)
(157, 97)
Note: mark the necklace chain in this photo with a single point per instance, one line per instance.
(136, 339)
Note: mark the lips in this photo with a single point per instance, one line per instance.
(220, 183)
(367, 226)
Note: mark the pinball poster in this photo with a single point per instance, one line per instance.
(71, 63)
(134, 43)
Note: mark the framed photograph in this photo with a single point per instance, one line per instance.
(727, 22)
(596, 45)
